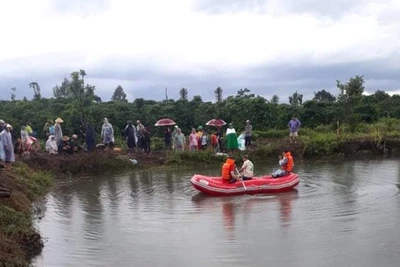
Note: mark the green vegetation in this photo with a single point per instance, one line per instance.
(76, 102)
(318, 143)
(18, 239)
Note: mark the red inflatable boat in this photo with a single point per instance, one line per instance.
(258, 185)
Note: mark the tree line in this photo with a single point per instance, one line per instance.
(76, 103)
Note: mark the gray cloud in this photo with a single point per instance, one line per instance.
(145, 78)
(283, 80)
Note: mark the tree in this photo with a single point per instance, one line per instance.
(83, 74)
(183, 94)
(119, 94)
(275, 99)
(36, 90)
(73, 89)
(218, 94)
(13, 89)
(349, 99)
(324, 96)
(244, 93)
(381, 95)
(61, 91)
(296, 99)
(353, 88)
(197, 98)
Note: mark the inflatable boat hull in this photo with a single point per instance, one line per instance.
(258, 185)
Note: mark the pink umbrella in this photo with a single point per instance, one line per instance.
(216, 123)
(165, 122)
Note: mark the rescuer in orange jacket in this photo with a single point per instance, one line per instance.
(228, 171)
(286, 162)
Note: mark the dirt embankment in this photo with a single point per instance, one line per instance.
(19, 241)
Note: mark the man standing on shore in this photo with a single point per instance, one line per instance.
(294, 126)
(248, 129)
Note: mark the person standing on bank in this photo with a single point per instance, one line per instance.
(130, 134)
(231, 138)
(294, 126)
(90, 137)
(8, 146)
(248, 129)
(58, 134)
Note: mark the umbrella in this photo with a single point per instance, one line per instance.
(216, 123)
(165, 122)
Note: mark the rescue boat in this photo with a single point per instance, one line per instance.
(258, 185)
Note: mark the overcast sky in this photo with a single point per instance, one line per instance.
(269, 46)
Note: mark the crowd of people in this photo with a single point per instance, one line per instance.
(137, 139)
(200, 139)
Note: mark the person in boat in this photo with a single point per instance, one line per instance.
(247, 168)
(286, 163)
(228, 171)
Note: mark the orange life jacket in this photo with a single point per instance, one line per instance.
(228, 166)
(289, 165)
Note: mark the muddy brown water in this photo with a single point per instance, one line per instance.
(342, 214)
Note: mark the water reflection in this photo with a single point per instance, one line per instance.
(342, 214)
(113, 193)
(91, 205)
(169, 182)
(228, 212)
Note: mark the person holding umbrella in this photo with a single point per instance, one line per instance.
(217, 123)
(168, 137)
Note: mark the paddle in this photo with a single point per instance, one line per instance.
(245, 188)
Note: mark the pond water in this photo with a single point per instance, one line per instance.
(342, 214)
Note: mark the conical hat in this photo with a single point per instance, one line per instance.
(59, 120)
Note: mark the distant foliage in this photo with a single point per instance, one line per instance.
(119, 94)
(76, 102)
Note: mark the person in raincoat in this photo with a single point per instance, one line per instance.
(2, 156)
(8, 146)
(107, 134)
(174, 133)
(231, 138)
(51, 145)
(58, 134)
(89, 138)
(130, 134)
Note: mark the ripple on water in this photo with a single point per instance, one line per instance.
(339, 214)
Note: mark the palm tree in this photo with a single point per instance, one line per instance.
(83, 74)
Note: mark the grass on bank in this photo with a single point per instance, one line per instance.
(18, 239)
(312, 143)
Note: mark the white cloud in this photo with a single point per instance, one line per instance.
(176, 38)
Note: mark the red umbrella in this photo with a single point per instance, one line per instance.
(165, 122)
(216, 123)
